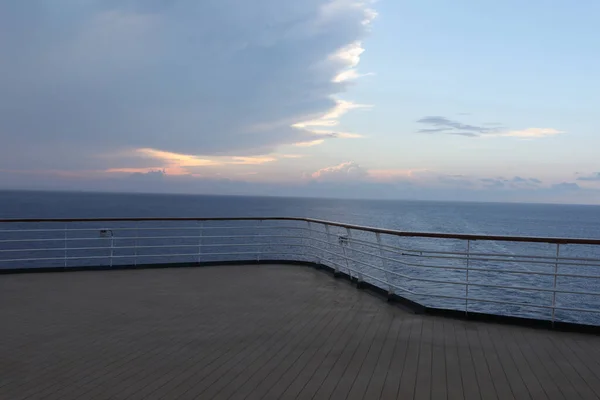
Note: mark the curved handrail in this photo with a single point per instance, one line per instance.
(437, 235)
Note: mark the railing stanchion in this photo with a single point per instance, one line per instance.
(258, 249)
(336, 266)
(310, 241)
(200, 234)
(343, 240)
(348, 241)
(66, 240)
(467, 277)
(388, 278)
(554, 287)
(135, 243)
(112, 247)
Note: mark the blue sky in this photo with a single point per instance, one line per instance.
(463, 100)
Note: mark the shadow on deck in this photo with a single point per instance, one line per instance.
(264, 332)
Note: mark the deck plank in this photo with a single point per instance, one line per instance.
(329, 385)
(438, 362)
(264, 332)
(376, 384)
(454, 385)
(466, 365)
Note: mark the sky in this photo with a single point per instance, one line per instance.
(412, 99)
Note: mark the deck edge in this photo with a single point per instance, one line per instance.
(404, 302)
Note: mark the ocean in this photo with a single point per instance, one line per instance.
(573, 221)
(548, 220)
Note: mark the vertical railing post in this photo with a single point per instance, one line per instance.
(359, 278)
(336, 265)
(388, 278)
(554, 286)
(258, 249)
(112, 247)
(66, 240)
(467, 283)
(310, 238)
(200, 235)
(135, 243)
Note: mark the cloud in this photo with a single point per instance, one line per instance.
(426, 178)
(170, 163)
(329, 120)
(183, 160)
(351, 170)
(493, 183)
(514, 183)
(292, 156)
(131, 171)
(350, 75)
(455, 180)
(443, 125)
(342, 180)
(184, 77)
(150, 175)
(310, 143)
(254, 160)
(345, 171)
(532, 133)
(341, 135)
(391, 175)
(519, 182)
(566, 186)
(450, 127)
(186, 160)
(593, 177)
(350, 56)
(331, 117)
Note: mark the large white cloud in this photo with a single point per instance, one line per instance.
(83, 78)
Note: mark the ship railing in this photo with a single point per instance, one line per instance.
(552, 279)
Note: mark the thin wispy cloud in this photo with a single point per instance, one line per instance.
(455, 180)
(516, 182)
(184, 160)
(292, 156)
(335, 134)
(310, 143)
(171, 163)
(532, 133)
(330, 120)
(391, 175)
(443, 125)
(437, 124)
(332, 116)
(590, 178)
(566, 186)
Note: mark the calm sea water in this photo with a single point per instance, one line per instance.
(478, 218)
(474, 218)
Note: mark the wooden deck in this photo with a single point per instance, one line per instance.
(264, 332)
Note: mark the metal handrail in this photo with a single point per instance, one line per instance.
(424, 274)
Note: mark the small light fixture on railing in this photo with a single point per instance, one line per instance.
(106, 233)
